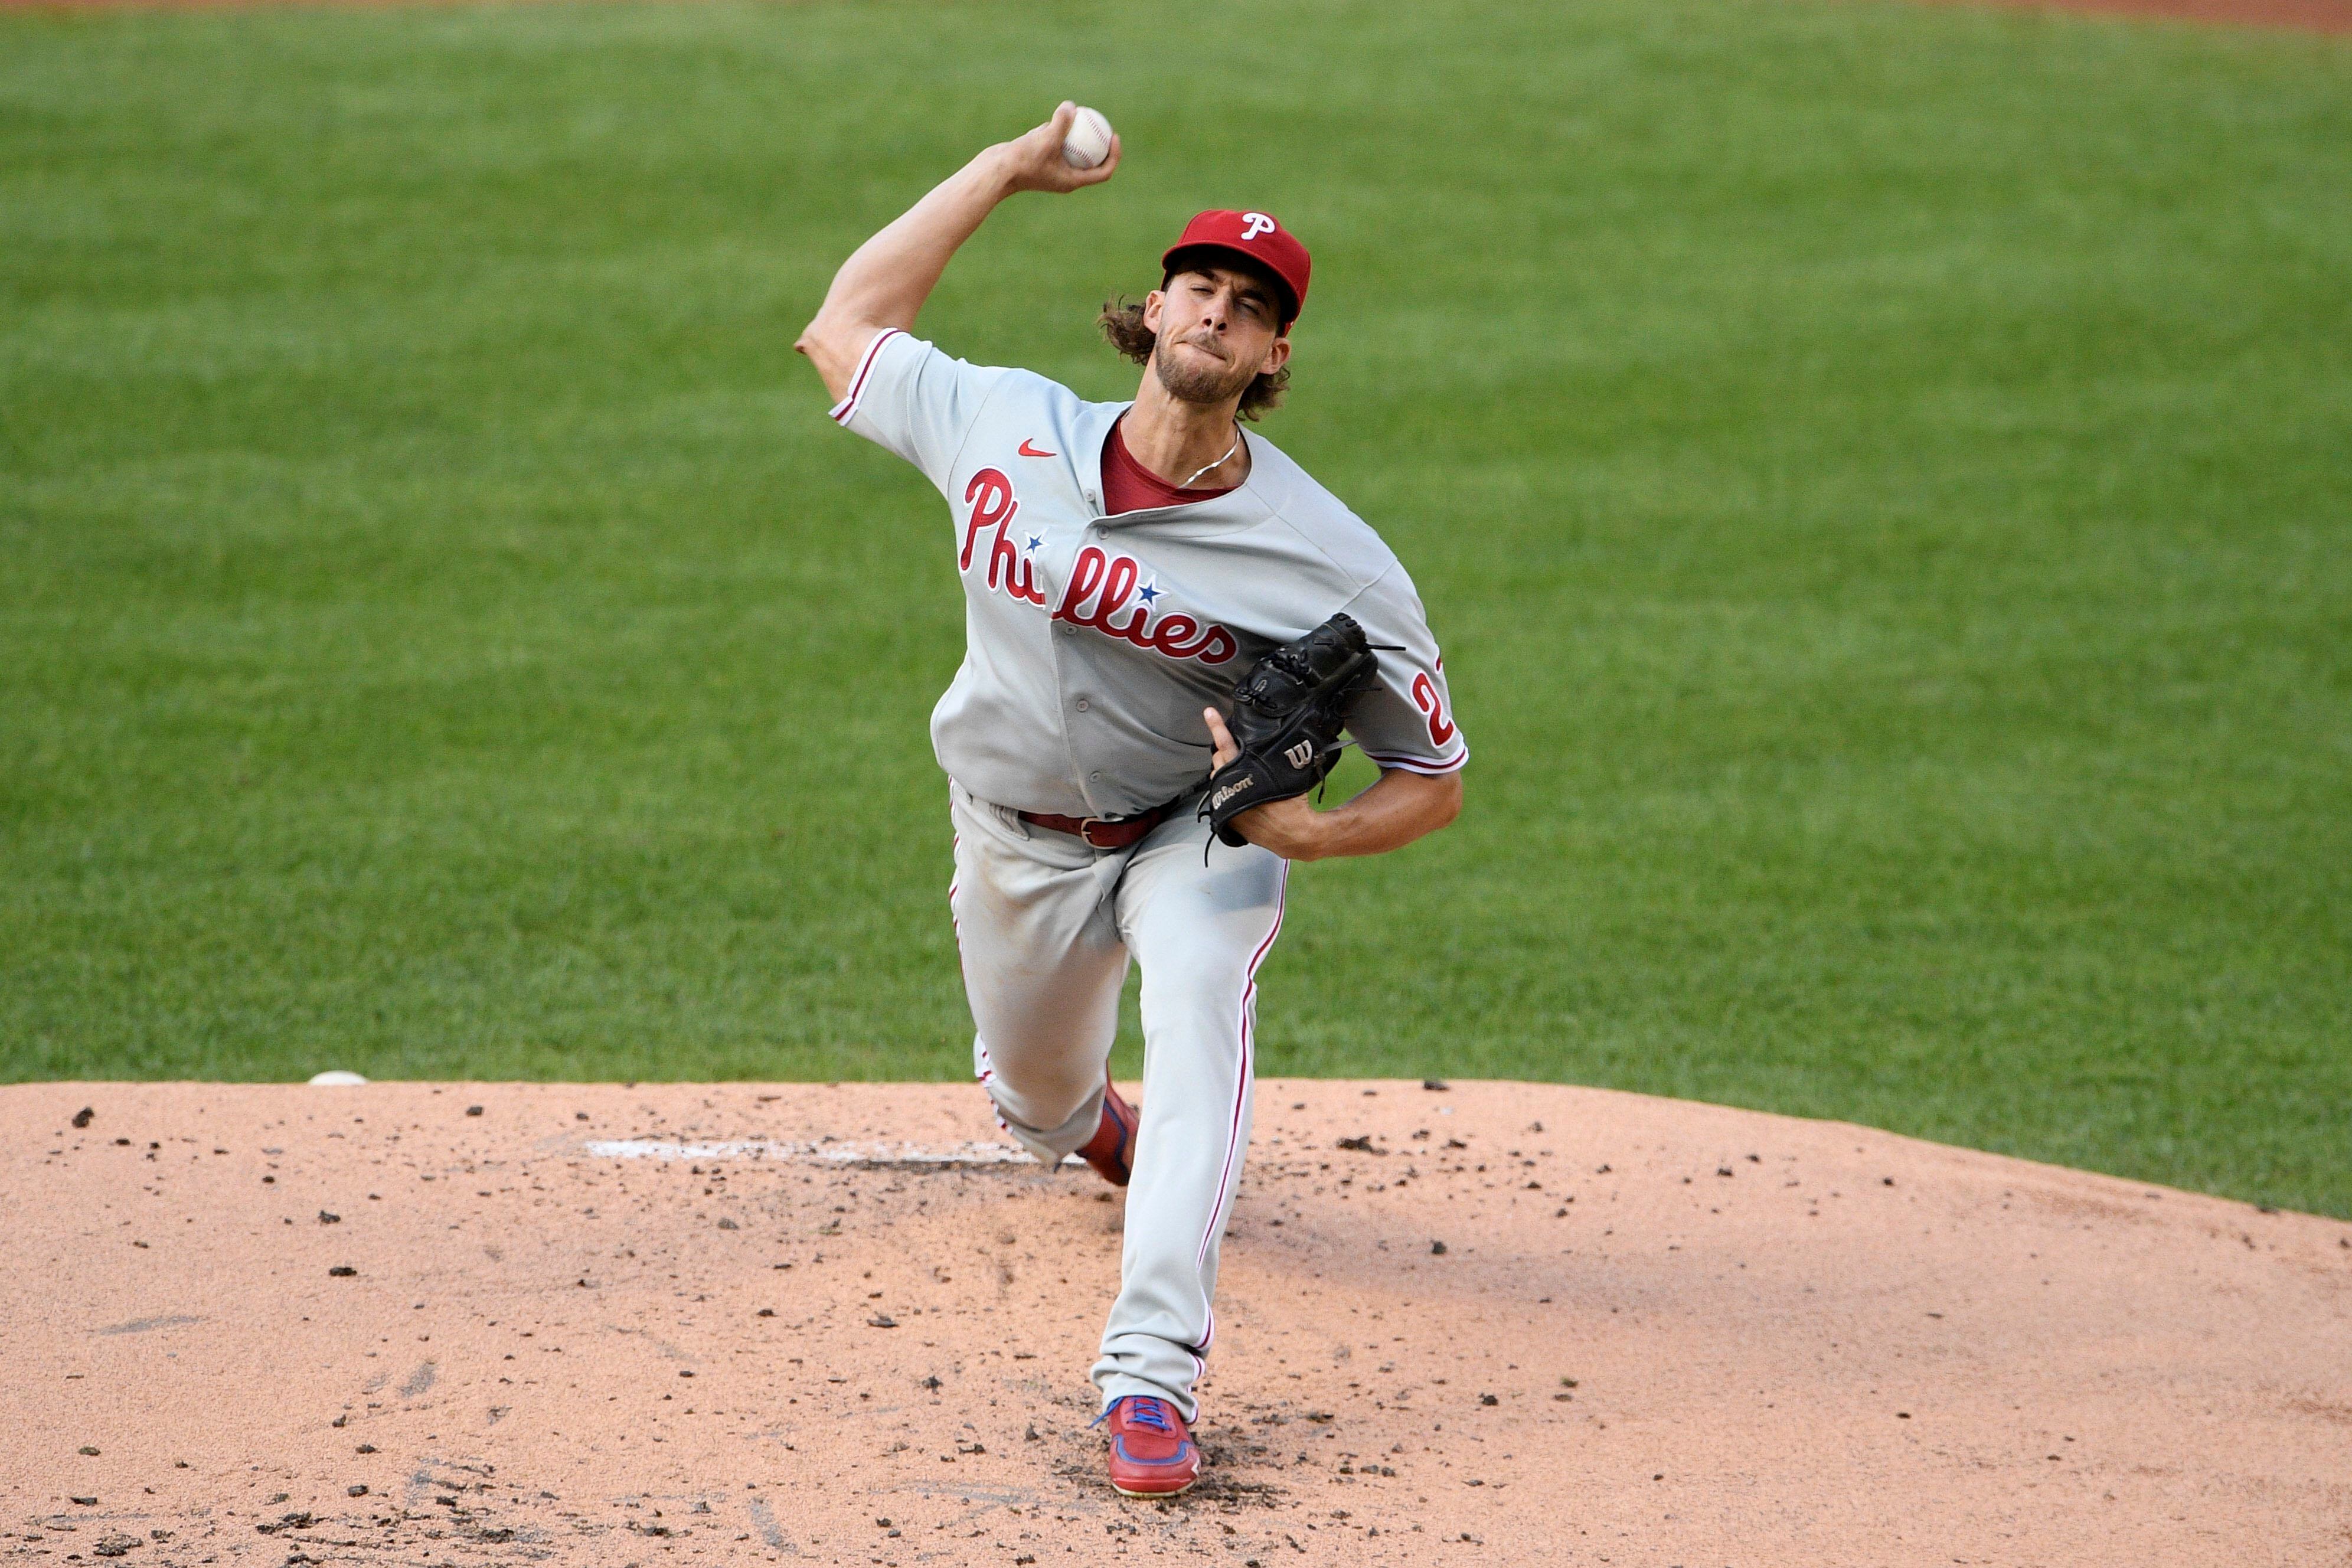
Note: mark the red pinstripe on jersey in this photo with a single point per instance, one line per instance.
(1421, 764)
(845, 410)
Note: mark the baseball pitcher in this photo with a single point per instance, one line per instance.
(1167, 624)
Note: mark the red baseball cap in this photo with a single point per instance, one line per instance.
(1256, 238)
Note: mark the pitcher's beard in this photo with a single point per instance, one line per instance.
(1200, 385)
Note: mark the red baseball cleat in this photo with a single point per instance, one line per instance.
(1151, 1453)
(1111, 1151)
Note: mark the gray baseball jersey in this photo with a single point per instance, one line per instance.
(1092, 643)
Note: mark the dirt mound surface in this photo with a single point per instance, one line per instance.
(1492, 1322)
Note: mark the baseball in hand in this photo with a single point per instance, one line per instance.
(1088, 143)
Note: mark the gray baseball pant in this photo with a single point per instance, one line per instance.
(1045, 924)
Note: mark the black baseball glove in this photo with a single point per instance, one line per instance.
(1286, 721)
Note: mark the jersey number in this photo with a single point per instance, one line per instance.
(1425, 698)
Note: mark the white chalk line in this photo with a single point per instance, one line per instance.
(825, 1154)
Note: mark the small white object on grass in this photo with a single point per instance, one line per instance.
(1088, 143)
(336, 1079)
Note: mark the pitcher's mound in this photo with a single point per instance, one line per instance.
(1491, 1323)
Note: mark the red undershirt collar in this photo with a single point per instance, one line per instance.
(1128, 486)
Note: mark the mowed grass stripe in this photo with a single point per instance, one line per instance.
(1881, 474)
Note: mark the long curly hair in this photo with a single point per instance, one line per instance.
(1122, 325)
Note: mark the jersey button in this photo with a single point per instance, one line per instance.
(1082, 704)
(1093, 778)
(1069, 628)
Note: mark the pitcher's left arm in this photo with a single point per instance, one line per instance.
(1398, 807)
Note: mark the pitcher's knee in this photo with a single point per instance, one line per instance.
(1043, 1095)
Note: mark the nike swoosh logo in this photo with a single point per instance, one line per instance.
(1029, 451)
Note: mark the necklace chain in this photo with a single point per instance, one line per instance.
(1220, 463)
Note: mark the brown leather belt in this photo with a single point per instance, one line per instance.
(1103, 832)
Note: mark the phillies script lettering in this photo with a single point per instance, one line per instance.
(993, 505)
(1102, 586)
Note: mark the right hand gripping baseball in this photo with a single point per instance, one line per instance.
(1288, 715)
(1035, 163)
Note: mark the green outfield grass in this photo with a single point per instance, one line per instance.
(1882, 477)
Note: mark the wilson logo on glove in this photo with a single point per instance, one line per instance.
(1227, 793)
